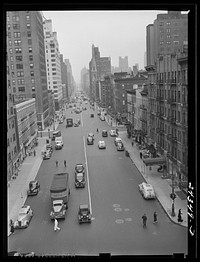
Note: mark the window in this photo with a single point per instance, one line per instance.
(53, 64)
(168, 36)
(17, 34)
(19, 58)
(18, 50)
(28, 34)
(168, 30)
(176, 42)
(28, 17)
(30, 50)
(16, 26)
(13, 74)
(10, 43)
(31, 66)
(20, 73)
(33, 81)
(19, 66)
(17, 42)
(20, 81)
(30, 58)
(10, 51)
(11, 59)
(13, 137)
(162, 31)
(8, 142)
(21, 89)
(15, 18)
(168, 23)
(29, 41)
(161, 42)
(32, 73)
(33, 88)
(28, 26)
(168, 43)
(13, 81)
(14, 90)
(161, 23)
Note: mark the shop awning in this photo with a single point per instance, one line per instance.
(154, 161)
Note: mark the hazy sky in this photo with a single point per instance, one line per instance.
(116, 33)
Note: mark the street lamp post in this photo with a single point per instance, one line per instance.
(173, 195)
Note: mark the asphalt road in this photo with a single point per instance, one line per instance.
(112, 192)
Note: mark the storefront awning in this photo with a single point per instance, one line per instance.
(154, 161)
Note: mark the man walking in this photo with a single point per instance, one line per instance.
(34, 152)
(144, 218)
(132, 143)
(56, 163)
(65, 163)
(56, 225)
(155, 217)
(12, 229)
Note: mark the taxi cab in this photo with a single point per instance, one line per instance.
(147, 190)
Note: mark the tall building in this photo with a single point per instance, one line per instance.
(166, 35)
(85, 80)
(26, 60)
(123, 64)
(53, 63)
(98, 68)
(64, 78)
(167, 92)
(70, 80)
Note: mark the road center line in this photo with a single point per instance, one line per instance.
(90, 204)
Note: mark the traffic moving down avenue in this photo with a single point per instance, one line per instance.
(105, 193)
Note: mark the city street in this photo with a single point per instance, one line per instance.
(112, 193)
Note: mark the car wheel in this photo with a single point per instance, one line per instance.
(27, 223)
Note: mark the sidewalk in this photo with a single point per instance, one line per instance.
(17, 191)
(162, 186)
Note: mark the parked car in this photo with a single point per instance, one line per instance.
(104, 133)
(91, 135)
(102, 145)
(34, 188)
(46, 156)
(120, 146)
(117, 140)
(24, 217)
(79, 180)
(147, 190)
(113, 132)
(79, 168)
(84, 215)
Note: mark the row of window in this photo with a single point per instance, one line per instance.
(168, 30)
(169, 42)
(15, 18)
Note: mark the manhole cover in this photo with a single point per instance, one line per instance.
(118, 209)
(116, 205)
(119, 221)
(129, 219)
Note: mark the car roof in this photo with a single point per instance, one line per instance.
(101, 141)
(104, 130)
(84, 206)
(147, 185)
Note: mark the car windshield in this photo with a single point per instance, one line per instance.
(80, 175)
(84, 211)
(79, 167)
(57, 204)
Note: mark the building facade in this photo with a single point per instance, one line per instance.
(52, 54)
(26, 58)
(123, 64)
(64, 79)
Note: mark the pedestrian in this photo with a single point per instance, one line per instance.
(34, 152)
(12, 229)
(97, 130)
(144, 218)
(65, 163)
(56, 163)
(140, 154)
(179, 216)
(56, 225)
(155, 217)
(132, 143)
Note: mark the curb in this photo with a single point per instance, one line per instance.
(177, 223)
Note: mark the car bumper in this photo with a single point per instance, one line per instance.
(88, 220)
(33, 193)
(77, 185)
(57, 216)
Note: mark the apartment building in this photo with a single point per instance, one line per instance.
(123, 64)
(52, 56)
(12, 145)
(64, 79)
(26, 60)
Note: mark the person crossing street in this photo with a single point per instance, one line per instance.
(155, 220)
(144, 218)
(56, 163)
(65, 163)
